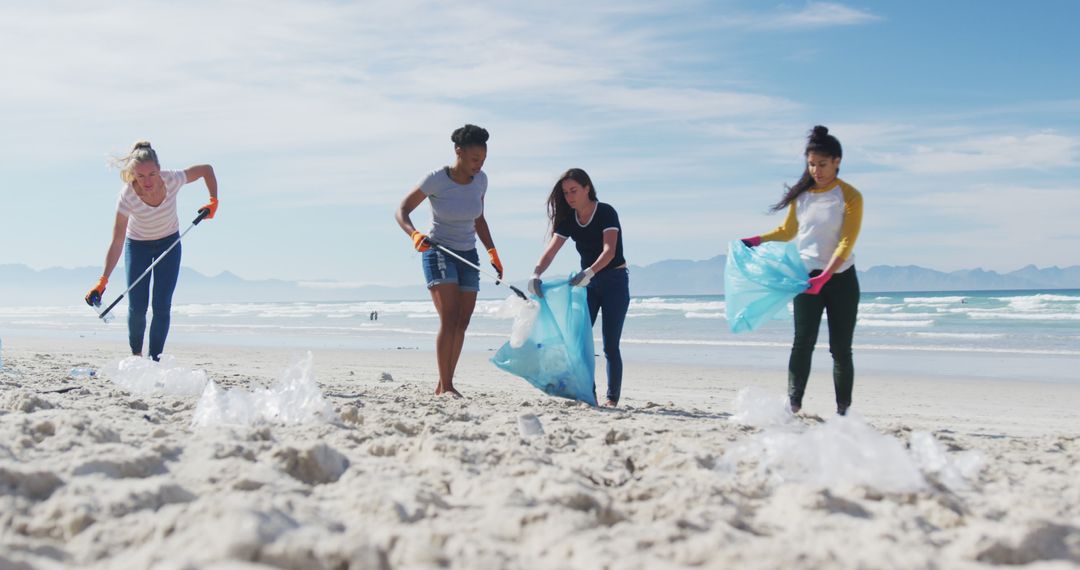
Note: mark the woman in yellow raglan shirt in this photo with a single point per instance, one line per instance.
(824, 215)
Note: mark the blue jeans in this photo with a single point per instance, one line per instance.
(610, 290)
(138, 255)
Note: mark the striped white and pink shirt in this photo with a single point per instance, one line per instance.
(146, 222)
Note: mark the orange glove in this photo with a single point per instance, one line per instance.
(420, 241)
(212, 206)
(494, 255)
(94, 296)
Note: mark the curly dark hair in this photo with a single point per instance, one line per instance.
(469, 135)
(821, 142)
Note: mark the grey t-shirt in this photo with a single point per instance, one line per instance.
(454, 208)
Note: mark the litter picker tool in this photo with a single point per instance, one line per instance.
(96, 301)
(498, 280)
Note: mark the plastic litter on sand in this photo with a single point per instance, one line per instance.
(843, 451)
(529, 425)
(955, 470)
(759, 408)
(82, 372)
(140, 375)
(524, 314)
(294, 399)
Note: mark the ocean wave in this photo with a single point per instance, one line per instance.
(1048, 297)
(881, 347)
(894, 324)
(901, 316)
(957, 336)
(985, 316)
(875, 306)
(934, 300)
(693, 315)
(682, 306)
(65, 311)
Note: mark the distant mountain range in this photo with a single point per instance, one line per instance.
(21, 285)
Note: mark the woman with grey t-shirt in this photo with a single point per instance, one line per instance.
(456, 194)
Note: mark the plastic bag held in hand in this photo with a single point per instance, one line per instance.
(557, 356)
(420, 241)
(760, 281)
(536, 286)
(583, 278)
(816, 283)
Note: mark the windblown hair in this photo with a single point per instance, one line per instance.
(469, 135)
(140, 152)
(558, 209)
(821, 142)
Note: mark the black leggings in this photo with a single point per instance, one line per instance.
(840, 298)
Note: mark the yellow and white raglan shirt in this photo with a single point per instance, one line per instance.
(823, 223)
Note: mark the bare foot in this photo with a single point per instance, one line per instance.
(611, 404)
(448, 392)
(795, 408)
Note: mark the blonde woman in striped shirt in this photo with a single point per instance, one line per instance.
(146, 225)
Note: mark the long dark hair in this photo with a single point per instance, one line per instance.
(558, 209)
(821, 142)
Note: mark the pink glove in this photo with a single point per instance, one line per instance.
(816, 283)
(752, 241)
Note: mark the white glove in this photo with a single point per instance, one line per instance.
(582, 278)
(534, 286)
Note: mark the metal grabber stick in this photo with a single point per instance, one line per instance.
(202, 215)
(498, 280)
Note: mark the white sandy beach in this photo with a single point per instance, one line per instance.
(96, 477)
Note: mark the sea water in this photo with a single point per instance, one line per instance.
(1010, 334)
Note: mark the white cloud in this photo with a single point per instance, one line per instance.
(814, 15)
(985, 153)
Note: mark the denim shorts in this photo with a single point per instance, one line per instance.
(440, 268)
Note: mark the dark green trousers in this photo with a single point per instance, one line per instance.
(840, 299)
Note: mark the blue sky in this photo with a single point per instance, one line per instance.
(960, 123)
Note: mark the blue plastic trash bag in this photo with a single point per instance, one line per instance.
(759, 281)
(557, 357)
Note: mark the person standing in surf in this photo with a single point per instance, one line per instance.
(146, 225)
(824, 216)
(456, 194)
(574, 212)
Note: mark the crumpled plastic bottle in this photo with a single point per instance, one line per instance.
(82, 373)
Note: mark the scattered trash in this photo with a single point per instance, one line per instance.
(294, 399)
(953, 471)
(166, 377)
(81, 373)
(758, 408)
(524, 314)
(529, 425)
(845, 450)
